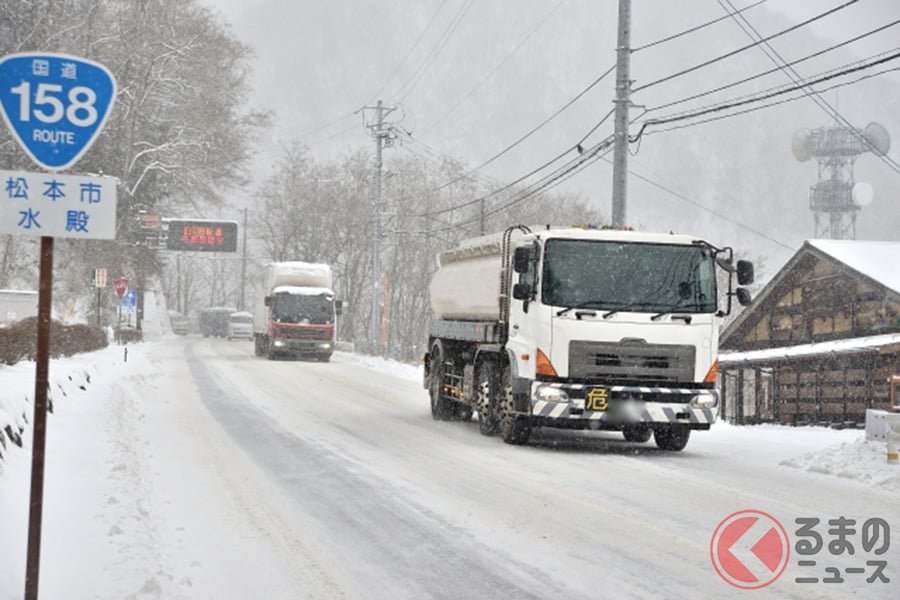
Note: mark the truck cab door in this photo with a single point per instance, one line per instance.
(529, 319)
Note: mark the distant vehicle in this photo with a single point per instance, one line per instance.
(240, 326)
(294, 310)
(180, 323)
(214, 321)
(591, 329)
(16, 305)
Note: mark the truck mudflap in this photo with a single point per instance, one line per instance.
(613, 407)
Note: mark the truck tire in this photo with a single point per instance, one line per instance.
(514, 429)
(672, 437)
(637, 433)
(486, 386)
(440, 406)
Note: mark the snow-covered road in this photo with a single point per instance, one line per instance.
(215, 474)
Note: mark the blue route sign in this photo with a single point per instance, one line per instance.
(129, 300)
(54, 104)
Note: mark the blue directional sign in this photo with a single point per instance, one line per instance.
(54, 104)
(129, 299)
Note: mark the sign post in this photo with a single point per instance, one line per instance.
(55, 106)
(120, 285)
(99, 283)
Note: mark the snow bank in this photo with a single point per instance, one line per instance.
(860, 460)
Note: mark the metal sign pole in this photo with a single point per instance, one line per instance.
(81, 93)
(41, 385)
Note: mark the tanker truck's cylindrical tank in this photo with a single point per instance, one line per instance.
(466, 285)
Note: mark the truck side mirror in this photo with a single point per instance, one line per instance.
(267, 300)
(745, 274)
(743, 296)
(338, 307)
(522, 291)
(521, 259)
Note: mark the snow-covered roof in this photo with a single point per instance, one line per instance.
(877, 260)
(844, 346)
(301, 290)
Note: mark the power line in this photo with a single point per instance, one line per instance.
(581, 159)
(775, 69)
(743, 48)
(498, 190)
(534, 130)
(472, 175)
(769, 105)
(561, 174)
(821, 102)
(784, 87)
(376, 94)
(693, 29)
(496, 68)
(578, 146)
(326, 125)
(793, 88)
(707, 209)
(417, 75)
(409, 53)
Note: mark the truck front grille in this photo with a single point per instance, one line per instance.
(304, 334)
(631, 363)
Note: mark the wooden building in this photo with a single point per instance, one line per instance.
(821, 342)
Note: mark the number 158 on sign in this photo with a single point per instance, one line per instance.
(54, 104)
(49, 108)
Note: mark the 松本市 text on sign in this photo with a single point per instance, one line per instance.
(46, 204)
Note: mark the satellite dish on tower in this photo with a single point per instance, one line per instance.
(878, 138)
(862, 194)
(835, 199)
(800, 146)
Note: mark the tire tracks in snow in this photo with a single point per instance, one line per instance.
(388, 547)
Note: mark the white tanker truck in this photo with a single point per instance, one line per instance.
(580, 328)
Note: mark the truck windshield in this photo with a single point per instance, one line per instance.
(628, 276)
(301, 308)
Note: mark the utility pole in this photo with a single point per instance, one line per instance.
(623, 98)
(382, 135)
(243, 265)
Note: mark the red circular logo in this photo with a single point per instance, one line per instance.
(749, 549)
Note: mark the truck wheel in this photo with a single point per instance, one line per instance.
(486, 398)
(637, 433)
(440, 406)
(672, 437)
(514, 429)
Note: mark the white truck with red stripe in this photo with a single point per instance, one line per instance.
(580, 328)
(295, 311)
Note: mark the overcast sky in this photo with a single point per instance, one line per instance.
(470, 77)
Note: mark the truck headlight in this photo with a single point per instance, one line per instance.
(550, 394)
(279, 343)
(704, 401)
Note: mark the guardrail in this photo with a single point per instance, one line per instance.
(884, 426)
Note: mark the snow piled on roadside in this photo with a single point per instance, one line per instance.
(860, 460)
(383, 365)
